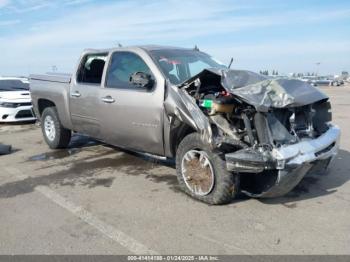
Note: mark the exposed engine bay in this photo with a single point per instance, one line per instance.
(271, 132)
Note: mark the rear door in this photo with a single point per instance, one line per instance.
(132, 117)
(84, 94)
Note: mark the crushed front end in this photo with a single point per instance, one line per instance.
(270, 132)
(289, 144)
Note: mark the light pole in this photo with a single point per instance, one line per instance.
(317, 67)
(54, 68)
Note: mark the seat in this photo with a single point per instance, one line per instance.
(94, 75)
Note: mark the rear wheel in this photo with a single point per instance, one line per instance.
(55, 135)
(202, 173)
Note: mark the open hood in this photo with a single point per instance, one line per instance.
(261, 92)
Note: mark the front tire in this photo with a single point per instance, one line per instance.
(202, 173)
(55, 135)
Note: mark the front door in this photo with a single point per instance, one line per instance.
(131, 116)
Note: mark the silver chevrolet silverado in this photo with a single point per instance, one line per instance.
(230, 131)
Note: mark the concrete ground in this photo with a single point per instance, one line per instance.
(95, 199)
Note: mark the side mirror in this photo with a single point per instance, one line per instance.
(142, 80)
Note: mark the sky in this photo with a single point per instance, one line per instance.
(289, 36)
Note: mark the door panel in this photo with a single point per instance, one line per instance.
(84, 98)
(83, 103)
(133, 120)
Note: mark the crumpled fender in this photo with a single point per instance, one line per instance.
(180, 104)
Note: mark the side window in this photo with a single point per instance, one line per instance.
(122, 66)
(91, 69)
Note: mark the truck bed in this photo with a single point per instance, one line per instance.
(54, 89)
(60, 78)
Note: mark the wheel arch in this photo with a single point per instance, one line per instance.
(177, 134)
(44, 103)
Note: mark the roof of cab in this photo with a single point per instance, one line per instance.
(147, 48)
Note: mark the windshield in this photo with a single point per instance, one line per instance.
(180, 65)
(13, 85)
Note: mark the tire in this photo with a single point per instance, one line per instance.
(223, 189)
(60, 137)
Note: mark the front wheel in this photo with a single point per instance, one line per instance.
(55, 135)
(202, 173)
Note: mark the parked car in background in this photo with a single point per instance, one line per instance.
(327, 81)
(309, 79)
(340, 82)
(15, 100)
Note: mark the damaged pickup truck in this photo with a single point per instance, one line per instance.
(230, 131)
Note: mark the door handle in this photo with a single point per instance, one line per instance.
(75, 94)
(108, 99)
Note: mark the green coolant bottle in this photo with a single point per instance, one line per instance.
(206, 103)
